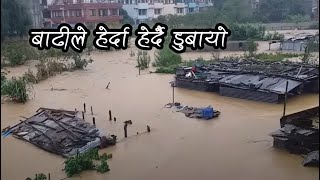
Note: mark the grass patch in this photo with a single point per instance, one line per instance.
(166, 57)
(166, 70)
(143, 60)
(16, 89)
(81, 162)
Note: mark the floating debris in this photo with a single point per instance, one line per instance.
(312, 159)
(61, 132)
(192, 112)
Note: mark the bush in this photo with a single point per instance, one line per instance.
(143, 60)
(30, 77)
(252, 48)
(40, 176)
(80, 62)
(16, 89)
(42, 71)
(3, 77)
(82, 162)
(166, 57)
(247, 31)
(273, 36)
(17, 53)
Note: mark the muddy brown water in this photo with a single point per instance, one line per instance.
(236, 145)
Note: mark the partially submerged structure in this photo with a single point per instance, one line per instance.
(299, 134)
(60, 131)
(251, 79)
(298, 43)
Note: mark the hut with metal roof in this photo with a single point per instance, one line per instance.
(297, 43)
(59, 131)
(251, 79)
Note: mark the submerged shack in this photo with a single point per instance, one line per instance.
(60, 131)
(251, 79)
(299, 134)
(298, 43)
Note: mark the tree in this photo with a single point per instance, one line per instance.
(278, 10)
(126, 18)
(15, 19)
(238, 10)
(218, 4)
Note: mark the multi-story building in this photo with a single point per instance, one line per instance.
(84, 11)
(142, 10)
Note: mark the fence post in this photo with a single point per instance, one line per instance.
(285, 99)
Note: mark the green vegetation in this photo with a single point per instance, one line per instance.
(166, 57)
(252, 48)
(16, 89)
(3, 77)
(297, 18)
(126, 18)
(166, 60)
(307, 56)
(40, 176)
(280, 10)
(166, 70)
(273, 36)
(247, 31)
(143, 60)
(85, 161)
(30, 77)
(17, 53)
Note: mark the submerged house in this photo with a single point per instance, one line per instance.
(251, 79)
(60, 132)
(299, 134)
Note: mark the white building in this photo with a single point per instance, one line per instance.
(142, 10)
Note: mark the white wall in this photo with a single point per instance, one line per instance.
(168, 9)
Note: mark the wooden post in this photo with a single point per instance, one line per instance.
(285, 99)
(83, 115)
(148, 128)
(114, 119)
(49, 176)
(173, 93)
(125, 130)
(108, 85)
(94, 120)
(91, 111)
(269, 45)
(84, 107)
(110, 117)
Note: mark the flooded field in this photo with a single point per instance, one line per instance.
(236, 145)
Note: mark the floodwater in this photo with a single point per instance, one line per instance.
(235, 145)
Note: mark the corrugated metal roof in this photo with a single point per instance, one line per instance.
(270, 84)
